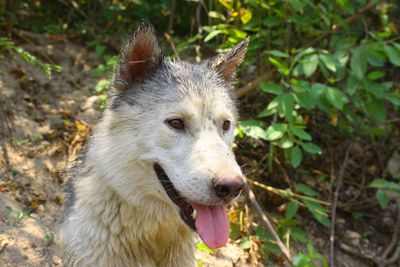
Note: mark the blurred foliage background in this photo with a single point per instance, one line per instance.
(319, 95)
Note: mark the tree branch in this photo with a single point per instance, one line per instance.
(250, 86)
(334, 205)
(268, 225)
(268, 74)
(347, 21)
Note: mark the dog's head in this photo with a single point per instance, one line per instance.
(185, 115)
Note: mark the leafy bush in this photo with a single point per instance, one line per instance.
(9, 45)
(336, 68)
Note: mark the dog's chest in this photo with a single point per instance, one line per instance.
(153, 229)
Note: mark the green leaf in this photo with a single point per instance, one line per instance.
(318, 90)
(245, 243)
(329, 62)
(102, 85)
(271, 21)
(382, 198)
(275, 131)
(299, 234)
(278, 53)
(270, 247)
(300, 86)
(312, 148)
(272, 107)
(216, 15)
(342, 57)
(318, 211)
(203, 247)
(300, 260)
(393, 54)
(254, 129)
(358, 63)
(346, 5)
(266, 112)
(375, 75)
(397, 46)
(377, 89)
(383, 184)
(305, 100)
(353, 84)
(300, 133)
(305, 189)
(281, 66)
(291, 209)
(285, 143)
(288, 106)
(310, 65)
(377, 110)
(296, 156)
(336, 97)
(393, 98)
(245, 15)
(270, 87)
(298, 4)
(375, 57)
(211, 35)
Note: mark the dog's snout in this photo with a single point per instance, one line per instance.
(228, 188)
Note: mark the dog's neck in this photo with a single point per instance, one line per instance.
(134, 222)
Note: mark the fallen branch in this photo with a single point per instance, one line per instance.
(268, 225)
(334, 205)
(250, 86)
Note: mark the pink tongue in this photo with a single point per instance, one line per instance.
(212, 224)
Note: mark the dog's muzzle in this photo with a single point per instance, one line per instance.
(186, 210)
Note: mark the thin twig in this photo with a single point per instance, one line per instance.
(171, 16)
(395, 257)
(171, 42)
(395, 237)
(268, 225)
(334, 205)
(250, 86)
(347, 21)
(198, 18)
(283, 192)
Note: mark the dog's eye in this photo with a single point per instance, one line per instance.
(226, 125)
(176, 124)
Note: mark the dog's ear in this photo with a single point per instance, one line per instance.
(140, 57)
(226, 64)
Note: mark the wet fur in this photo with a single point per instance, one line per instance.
(116, 211)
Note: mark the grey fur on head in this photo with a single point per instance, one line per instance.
(142, 55)
(226, 64)
(139, 58)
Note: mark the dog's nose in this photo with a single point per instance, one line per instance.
(228, 188)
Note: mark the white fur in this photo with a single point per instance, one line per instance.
(122, 216)
(117, 212)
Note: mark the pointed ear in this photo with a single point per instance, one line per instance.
(226, 64)
(140, 57)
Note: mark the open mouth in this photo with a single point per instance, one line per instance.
(210, 221)
(186, 210)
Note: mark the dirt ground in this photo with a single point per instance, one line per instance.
(44, 123)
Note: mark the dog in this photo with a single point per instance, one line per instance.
(159, 165)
